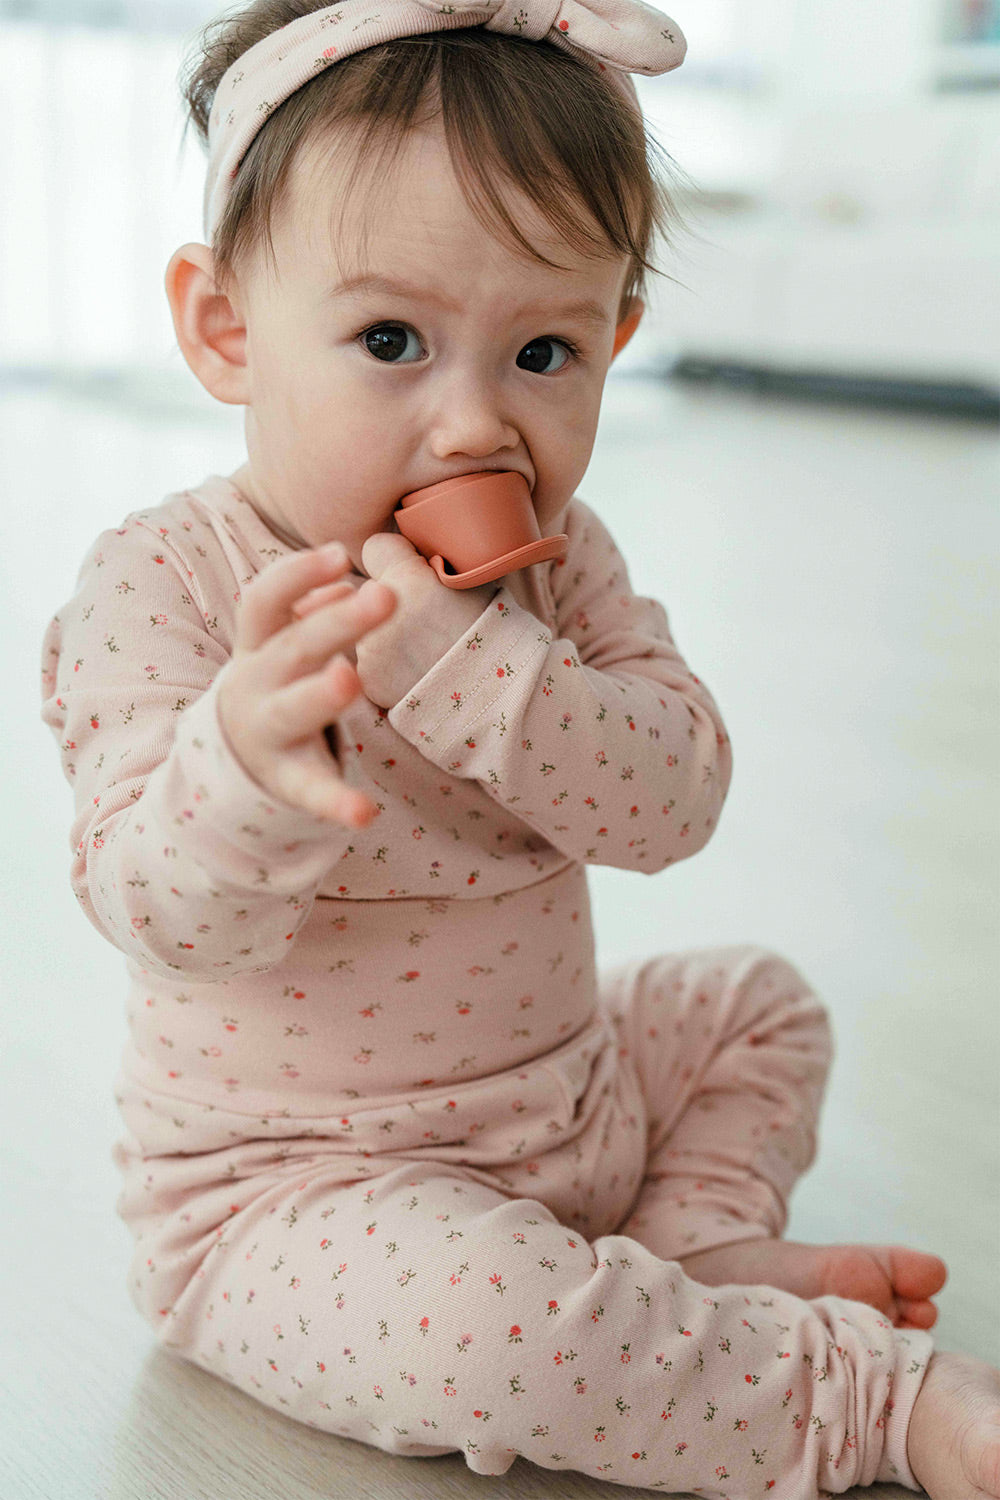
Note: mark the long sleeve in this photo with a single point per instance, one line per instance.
(179, 857)
(597, 735)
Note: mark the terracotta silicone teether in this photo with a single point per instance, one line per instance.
(476, 527)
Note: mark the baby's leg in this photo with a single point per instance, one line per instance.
(424, 1312)
(732, 1049)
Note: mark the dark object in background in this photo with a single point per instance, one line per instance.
(945, 398)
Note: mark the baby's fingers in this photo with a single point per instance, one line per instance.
(321, 791)
(326, 594)
(304, 772)
(310, 643)
(302, 709)
(267, 604)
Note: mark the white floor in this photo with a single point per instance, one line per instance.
(832, 577)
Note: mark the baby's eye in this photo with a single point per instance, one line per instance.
(535, 356)
(388, 343)
(387, 340)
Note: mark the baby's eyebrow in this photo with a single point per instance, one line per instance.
(584, 310)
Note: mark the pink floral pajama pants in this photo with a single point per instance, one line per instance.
(502, 1280)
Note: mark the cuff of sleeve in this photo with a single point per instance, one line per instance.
(914, 1348)
(210, 786)
(484, 670)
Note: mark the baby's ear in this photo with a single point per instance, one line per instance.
(628, 324)
(211, 329)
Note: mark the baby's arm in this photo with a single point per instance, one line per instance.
(601, 738)
(180, 858)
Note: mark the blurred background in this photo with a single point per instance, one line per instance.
(846, 156)
(798, 454)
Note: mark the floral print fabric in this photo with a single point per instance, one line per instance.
(391, 1141)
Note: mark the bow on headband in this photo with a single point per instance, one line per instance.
(618, 36)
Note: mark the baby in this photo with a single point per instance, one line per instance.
(398, 1161)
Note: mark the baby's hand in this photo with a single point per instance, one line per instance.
(953, 1440)
(429, 620)
(285, 682)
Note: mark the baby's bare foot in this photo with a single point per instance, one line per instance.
(953, 1439)
(896, 1280)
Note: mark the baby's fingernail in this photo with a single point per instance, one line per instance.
(333, 551)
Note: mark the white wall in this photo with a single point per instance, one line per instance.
(95, 196)
(868, 233)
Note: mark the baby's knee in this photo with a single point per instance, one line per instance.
(776, 995)
(772, 971)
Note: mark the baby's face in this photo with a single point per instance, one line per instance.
(358, 396)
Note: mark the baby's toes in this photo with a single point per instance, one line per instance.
(915, 1274)
(915, 1314)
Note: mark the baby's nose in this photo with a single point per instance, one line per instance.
(472, 421)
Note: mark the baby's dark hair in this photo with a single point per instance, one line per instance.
(519, 111)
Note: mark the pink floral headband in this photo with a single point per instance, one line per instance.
(619, 36)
